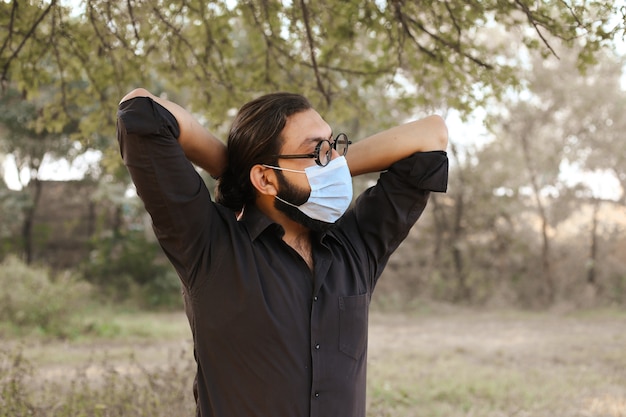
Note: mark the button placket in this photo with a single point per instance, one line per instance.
(315, 351)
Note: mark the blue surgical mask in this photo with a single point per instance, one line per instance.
(331, 190)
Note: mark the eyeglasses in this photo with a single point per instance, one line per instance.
(323, 152)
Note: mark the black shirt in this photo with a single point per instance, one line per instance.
(271, 338)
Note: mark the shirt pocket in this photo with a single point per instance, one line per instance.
(353, 313)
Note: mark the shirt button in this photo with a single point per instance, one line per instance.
(315, 298)
(317, 394)
(317, 346)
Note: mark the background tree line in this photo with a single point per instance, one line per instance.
(543, 76)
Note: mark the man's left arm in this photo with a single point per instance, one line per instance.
(378, 152)
(415, 164)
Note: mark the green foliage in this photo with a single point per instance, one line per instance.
(131, 267)
(27, 134)
(12, 206)
(219, 54)
(32, 299)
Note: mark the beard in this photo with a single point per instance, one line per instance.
(297, 197)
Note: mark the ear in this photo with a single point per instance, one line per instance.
(264, 180)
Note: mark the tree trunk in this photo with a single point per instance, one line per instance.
(441, 227)
(29, 222)
(593, 249)
(462, 290)
(548, 287)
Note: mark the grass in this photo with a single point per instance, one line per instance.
(113, 324)
(450, 362)
(501, 364)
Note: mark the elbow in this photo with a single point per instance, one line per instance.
(440, 139)
(436, 134)
(137, 92)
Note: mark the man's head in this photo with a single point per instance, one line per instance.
(255, 138)
(278, 144)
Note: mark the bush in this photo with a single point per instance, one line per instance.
(31, 298)
(130, 267)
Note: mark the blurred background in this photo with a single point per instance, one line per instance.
(534, 220)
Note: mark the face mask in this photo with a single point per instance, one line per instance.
(331, 190)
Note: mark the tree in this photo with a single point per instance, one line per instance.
(562, 119)
(29, 143)
(367, 65)
(220, 53)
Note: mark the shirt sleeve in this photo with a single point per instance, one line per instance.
(170, 187)
(385, 213)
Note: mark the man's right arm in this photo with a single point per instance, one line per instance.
(199, 145)
(151, 133)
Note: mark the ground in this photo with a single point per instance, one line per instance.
(447, 362)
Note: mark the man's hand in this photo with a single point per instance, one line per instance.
(200, 146)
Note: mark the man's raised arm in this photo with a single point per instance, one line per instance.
(378, 152)
(200, 146)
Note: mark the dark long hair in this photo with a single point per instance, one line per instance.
(255, 138)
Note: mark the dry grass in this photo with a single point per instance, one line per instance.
(499, 364)
(443, 363)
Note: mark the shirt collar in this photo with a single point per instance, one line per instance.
(256, 222)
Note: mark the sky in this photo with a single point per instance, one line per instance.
(59, 170)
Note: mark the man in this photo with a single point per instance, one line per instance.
(277, 275)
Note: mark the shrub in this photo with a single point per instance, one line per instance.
(31, 298)
(130, 267)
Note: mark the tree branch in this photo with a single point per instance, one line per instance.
(269, 45)
(176, 32)
(59, 62)
(533, 22)
(454, 22)
(402, 18)
(455, 47)
(132, 19)
(31, 32)
(7, 41)
(318, 77)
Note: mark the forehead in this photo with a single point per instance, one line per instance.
(304, 129)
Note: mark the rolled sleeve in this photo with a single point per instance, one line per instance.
(430, 169)
(384, 214)
(171, 189)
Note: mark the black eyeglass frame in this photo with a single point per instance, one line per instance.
(316, 153)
